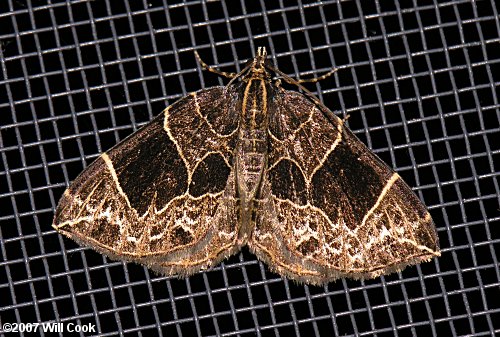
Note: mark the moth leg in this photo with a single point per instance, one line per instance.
(212, 69)
(317, 79)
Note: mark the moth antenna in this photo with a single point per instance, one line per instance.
(212, 69)
(316, 79)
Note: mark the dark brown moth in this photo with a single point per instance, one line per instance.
(249, 163)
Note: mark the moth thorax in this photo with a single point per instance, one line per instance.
(254, 107)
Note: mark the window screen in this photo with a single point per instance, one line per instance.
(419, 81)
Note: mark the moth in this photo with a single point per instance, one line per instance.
(249, 164)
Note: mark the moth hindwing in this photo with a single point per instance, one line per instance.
(249, 164)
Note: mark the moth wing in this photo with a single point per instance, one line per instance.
(330, 208)
(163, 197)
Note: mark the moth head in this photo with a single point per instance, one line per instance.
(258, 66)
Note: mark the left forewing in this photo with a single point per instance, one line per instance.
(163, 197)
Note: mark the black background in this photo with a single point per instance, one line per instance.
(419, 81)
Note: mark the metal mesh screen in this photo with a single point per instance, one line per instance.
(419, 80)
